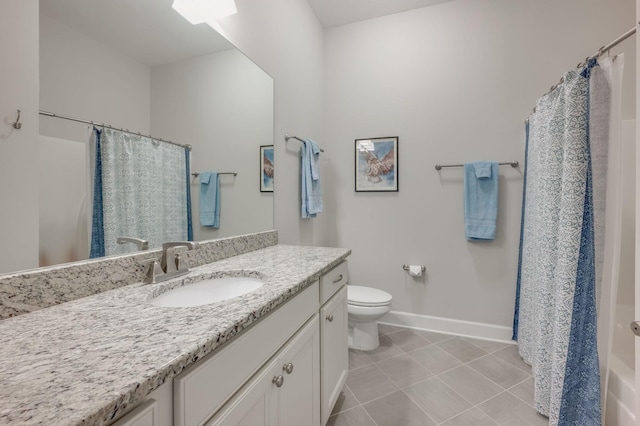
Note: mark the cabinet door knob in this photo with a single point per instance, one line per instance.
(278, 380)
(330, 317)
(288, 368)
(337, 280)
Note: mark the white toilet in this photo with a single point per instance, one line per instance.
(365, 305)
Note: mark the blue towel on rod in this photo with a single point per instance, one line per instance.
(210, 200)
(480, 200)
(311, 197)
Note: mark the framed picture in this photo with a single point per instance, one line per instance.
(266, 168)
(377, 164)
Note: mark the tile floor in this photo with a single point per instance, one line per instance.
(422, 378)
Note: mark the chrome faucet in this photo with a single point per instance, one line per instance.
(140, 243)
(171, 264)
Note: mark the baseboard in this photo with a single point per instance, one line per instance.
(475, 330)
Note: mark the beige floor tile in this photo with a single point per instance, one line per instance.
(368, 383)
(510, 354)
(487, 345)
(462, 349)
(386, 350)
(472, 385)
(473, 417)
(524, 391)
(438, 400)
(508, 410)
(404, 370)
(397, 409)
(353, 417)
(434, 337)
(435, 359)
(385, 329)
(407, 340)
(498, 371)
(358, 359)
(345, 401)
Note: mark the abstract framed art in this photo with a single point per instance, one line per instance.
(376, 164)
(266, 168)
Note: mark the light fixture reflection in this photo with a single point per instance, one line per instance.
(199, 11)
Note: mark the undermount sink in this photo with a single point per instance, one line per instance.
(207, 291)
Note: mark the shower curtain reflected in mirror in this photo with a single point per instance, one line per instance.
(562, 241)
(140, 190)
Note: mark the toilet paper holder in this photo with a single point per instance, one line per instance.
(406, 268)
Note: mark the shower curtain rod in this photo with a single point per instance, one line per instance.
(600, 52)
(78, 120)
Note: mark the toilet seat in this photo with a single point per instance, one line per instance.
(367, 296)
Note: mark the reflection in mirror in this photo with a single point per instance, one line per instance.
(139, 65)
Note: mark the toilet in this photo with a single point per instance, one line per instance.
(365, 305)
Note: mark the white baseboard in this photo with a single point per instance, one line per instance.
(475, 330)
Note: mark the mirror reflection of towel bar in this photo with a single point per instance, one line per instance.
(196, 174)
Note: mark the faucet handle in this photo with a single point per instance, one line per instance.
(181, 262)
(154, 270)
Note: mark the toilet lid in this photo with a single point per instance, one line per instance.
(367, 296)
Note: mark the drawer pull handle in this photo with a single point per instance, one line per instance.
(337, 280)
(330, 318)
(288, 368)
(278, 381)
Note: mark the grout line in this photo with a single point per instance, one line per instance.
(419, 406)
(437, 376)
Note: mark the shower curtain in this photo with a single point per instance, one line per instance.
(555, 322)
(612, 71)
(141, 190)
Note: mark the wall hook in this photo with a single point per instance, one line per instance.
(17, 124)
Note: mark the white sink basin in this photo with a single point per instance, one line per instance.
(207, 291)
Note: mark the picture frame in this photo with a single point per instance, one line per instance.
(266, 168)
(376, 164)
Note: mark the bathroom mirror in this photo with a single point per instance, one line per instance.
(140, 66)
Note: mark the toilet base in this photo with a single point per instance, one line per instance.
(363, 336)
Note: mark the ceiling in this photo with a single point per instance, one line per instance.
(332, 13)
(149, 31)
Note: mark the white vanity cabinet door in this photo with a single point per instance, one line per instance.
(335, 352)
(255, 404)
(276, 397)
(142, 415)
(299, 395)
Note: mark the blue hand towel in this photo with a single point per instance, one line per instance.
(480, 200)
(210, 200)
(311, 197)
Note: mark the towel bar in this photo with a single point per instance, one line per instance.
(510, 163)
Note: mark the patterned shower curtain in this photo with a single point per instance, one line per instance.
(139, 191)
(555, 322)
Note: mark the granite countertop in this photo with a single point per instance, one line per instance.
(92, 359)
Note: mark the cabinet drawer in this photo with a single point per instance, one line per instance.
(202, 389)
(333, 281)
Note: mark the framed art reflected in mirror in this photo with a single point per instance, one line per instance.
(266, 168)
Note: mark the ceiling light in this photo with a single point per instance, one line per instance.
(199, 11)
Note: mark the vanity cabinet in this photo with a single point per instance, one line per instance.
(286, 370)
(335, 352)
(283, 393)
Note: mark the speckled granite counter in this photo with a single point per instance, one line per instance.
(90, 360)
